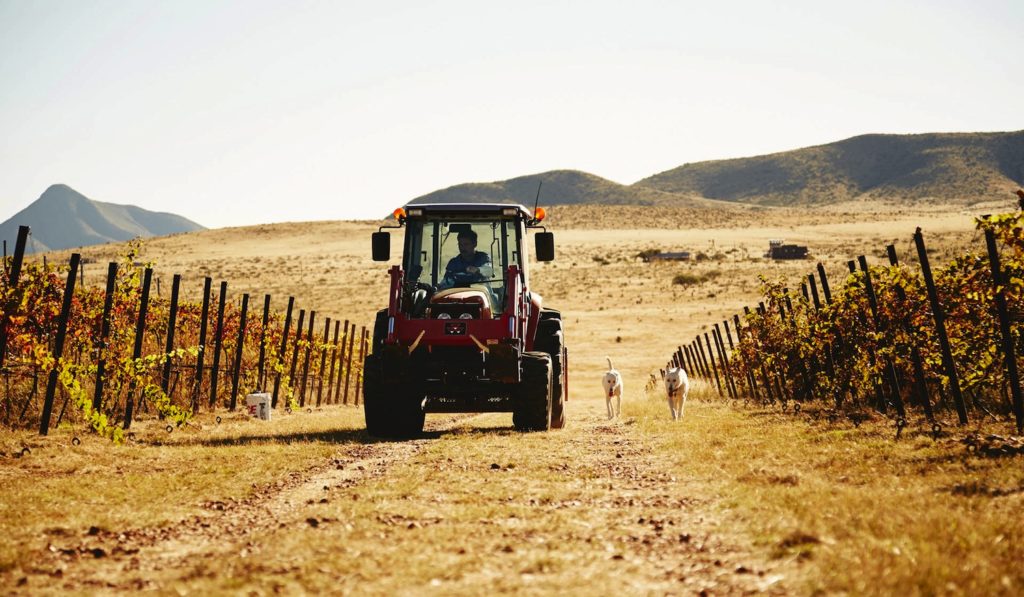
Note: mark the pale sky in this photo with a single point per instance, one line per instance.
(246, 112)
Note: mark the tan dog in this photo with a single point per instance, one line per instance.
(677, 386)
(612, 382)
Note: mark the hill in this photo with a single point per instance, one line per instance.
(955, 168)
(560, 187)
(63, 218)
(939, 168)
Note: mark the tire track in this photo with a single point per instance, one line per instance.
(661, 523)
(121, 560)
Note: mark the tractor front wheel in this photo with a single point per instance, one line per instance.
(392, 410)
(373, 397)
(533, 402)
(409, 415)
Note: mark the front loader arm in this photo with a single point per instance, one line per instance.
(394, 300)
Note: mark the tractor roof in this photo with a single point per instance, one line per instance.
(482, 209)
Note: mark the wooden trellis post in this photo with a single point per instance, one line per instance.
(362, 356)
(714, 366)
(239, 349)
(101, 348)
(334, 360)
(172, 319)
(940, 327)
(58, 348)
(920, 385)
(323, 362)
(283, 351)
(295, 349)
(200, 357)
(341, 367)
(890, 368)
(1009, 354)
(218, 338)
(305, 361)
(12, 282)
(348, 364)
(140, 329)
(261, 366)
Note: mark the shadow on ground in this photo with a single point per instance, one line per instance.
(341, 436)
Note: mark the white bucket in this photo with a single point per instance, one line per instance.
(259, 405)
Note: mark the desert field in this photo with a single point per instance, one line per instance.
(731, 500)
(617, 306)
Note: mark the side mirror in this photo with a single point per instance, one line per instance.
(545, 242)
(381, 246)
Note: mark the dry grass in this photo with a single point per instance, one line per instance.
(474, 507)
(59, 489)
(858, 512)
(728, 500)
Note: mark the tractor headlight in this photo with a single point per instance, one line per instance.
(466, 316)
(444, 316)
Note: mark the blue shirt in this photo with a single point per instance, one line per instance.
(455, 273)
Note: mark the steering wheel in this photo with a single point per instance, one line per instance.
(465, 278)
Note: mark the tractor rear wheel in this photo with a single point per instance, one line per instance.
(557, 392)
(550, 339)
(392, 410)
(533, 402)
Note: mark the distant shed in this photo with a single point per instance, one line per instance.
(680, 256)
(777, 249)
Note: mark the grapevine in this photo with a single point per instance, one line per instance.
(853, 355)
(31, 312)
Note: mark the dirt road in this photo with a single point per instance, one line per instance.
(471, 508)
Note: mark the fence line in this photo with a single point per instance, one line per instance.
(117, 352)
(888, 328)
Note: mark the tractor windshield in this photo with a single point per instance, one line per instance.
(454, 253)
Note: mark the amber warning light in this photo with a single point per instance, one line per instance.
(539, 214)
(399, 214)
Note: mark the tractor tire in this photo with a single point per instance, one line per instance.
(392, 410)
(407, 417)
(546, 328)
(380, 330)
(550, 340)
(533, 402)
(554, 347)
(374, 409)
(557, 392)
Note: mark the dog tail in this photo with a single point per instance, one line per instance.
(609, 363)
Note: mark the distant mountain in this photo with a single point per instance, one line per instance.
(948, 168)
(560, 187)
(956, 168)
(63, 218)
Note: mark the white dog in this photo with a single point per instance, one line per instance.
(677, 386)
(612, 389)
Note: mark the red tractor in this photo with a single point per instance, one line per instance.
(462, 331)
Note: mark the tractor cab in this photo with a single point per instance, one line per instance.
(460, 261)
(457, 258)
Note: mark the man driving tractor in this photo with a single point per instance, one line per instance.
(469, 265)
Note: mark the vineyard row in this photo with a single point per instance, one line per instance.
(891, 340)
(119, 352)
